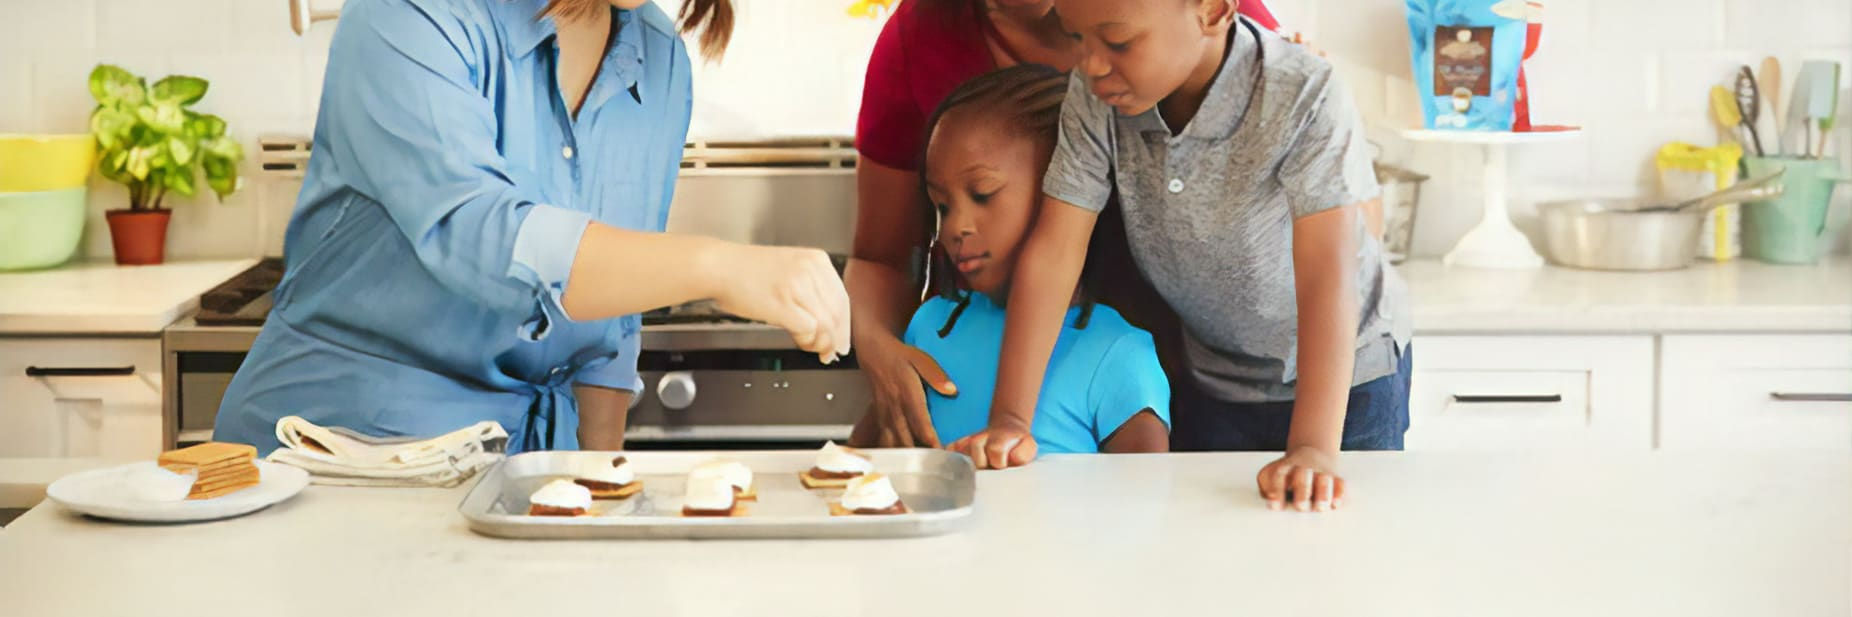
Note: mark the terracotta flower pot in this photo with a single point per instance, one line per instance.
(140, 236)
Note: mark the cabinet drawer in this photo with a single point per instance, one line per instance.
(80, 397)
(1748, 392)
(1531, 392)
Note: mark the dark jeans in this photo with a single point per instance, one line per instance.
(1376, 419)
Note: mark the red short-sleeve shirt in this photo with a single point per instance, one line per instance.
(921, 55)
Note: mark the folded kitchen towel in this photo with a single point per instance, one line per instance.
(339, 456)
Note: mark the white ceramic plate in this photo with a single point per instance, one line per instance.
(106, 493)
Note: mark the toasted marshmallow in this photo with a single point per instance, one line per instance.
(708, 493)
(734, 473)
(618, 471)
(835, 458)
(563, 494)
(869, 492)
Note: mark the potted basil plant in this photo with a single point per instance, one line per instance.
(149, 141)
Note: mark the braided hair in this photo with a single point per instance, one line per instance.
(1027, 99)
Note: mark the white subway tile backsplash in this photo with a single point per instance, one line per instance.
(1787, 24)
(48, 25)
(166, 26)
(1649, 25)
(1685, 78)
(15, 93)
(61, 90)
(247, 85)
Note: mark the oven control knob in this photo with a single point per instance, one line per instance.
(676, 390)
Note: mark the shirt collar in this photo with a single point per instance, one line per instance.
(623, 62)
(1229, 92)
(525, 31)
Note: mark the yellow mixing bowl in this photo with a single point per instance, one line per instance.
(45, 162)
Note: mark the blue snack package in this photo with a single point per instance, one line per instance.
(1466, 58)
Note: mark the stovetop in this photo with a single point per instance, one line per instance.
(245, 299)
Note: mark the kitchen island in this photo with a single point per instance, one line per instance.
(1647, 533)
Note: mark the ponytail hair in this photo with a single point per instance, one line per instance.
(712, 18)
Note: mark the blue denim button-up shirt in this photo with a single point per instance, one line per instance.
(445, 196)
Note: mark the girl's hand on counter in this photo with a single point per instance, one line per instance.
(1306, 476)
(898, 416)
(1007, 443)
(796, 289)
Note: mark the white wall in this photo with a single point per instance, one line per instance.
(1634, 72)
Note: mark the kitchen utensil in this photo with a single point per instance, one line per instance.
(938, 486)
(1770, 79)
(1749, 105)
(45, 162)
(1822, 100)
(40, 229)
(108, 493)
(1725, 112)
(1797, 112)
(1610, 234)
(1763, 187)
(1401, 194)
(1791, 229)
(1632, 234)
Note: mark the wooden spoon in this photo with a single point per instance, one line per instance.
(1770, 80)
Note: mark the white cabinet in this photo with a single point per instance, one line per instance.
(1765, 391)
(1531, 392)
(80, 397)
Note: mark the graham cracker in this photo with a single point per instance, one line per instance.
(206, 454)
(219, 492)
(623, 492)
(836, 509)
(816, 483)
(206, 470)
(739, 509)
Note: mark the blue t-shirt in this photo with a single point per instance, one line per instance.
(1098, 377)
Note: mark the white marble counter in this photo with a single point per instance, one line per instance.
(1695, 533)
(103, 298)
(1740, 296)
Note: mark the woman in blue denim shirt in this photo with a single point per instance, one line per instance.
(482, 220)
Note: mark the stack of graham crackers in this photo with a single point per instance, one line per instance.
(223, 468)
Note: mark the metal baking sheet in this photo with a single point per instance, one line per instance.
(939, 488)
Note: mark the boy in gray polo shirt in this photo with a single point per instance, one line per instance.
(1244, 179)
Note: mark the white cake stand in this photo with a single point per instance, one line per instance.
(1495, 242)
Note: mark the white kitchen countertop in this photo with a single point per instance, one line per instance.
(1739, 296)
(104, 298)
(1666, 533)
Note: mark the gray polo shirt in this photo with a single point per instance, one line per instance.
(1209, 212)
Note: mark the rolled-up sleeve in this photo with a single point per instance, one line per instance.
(617, 371)
(419, 137)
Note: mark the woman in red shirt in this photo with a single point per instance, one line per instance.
(926, 49)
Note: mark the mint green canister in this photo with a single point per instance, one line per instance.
(1791, 229)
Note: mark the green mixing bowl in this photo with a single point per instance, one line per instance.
(40, 229)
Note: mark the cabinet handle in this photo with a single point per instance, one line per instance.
(1812, 397)
(80, 371)
(1469, 399)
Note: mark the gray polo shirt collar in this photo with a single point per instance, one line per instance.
(1229, 96)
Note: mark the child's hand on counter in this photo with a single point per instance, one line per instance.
(1305, 475)
(1007, 443)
